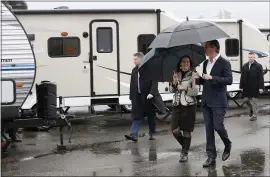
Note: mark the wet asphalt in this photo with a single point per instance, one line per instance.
(98, 148)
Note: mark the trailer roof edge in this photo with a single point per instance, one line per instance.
(84, 11)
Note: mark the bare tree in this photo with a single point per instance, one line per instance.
(223, 14)
(220, 14)
(227, 14)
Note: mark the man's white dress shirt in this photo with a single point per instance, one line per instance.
(211, 64)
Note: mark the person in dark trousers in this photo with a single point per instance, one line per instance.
(216, 76)
(142, 92)
(184, 104)
(252, 84)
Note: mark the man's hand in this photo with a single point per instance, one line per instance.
(207, 77)
(261, 90)
(149, 96)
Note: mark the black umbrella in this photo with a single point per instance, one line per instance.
(159, 64)
(188, 32)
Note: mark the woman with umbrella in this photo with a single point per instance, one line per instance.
(170, 45)
(184, 104)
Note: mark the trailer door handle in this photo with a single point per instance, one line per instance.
(93, 58)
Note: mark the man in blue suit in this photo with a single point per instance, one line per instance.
(216, 76)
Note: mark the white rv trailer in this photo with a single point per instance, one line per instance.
(17, 65)
(88, 53)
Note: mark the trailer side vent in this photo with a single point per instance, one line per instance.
(232, 47)
(31, 37)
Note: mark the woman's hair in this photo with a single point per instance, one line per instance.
(179, 63)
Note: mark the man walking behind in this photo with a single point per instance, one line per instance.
(141, 94)
(252, 84)
(217, 74)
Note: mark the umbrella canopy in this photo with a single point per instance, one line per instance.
(159, 64)
(188, 32)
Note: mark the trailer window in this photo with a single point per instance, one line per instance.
(104, 40)
(268, 36)
(232, 47)
(64, 47)
(144, 41)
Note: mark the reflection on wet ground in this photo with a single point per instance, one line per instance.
(105, 152)
(252, 163)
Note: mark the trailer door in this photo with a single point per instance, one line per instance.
(104, 58)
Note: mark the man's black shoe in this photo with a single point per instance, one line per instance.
(183, 157)
(133, 138)
(209, 162)
(227, 152)
(152, 138)
(253, 118)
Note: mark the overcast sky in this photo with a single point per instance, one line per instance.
(255, 12)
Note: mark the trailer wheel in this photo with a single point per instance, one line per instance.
(127, 108)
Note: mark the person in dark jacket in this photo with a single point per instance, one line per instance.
(184, 104)
(252, 84)
(217, 74)
(142, 92)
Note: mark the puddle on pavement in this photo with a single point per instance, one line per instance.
(149, 160)
(252, 162)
